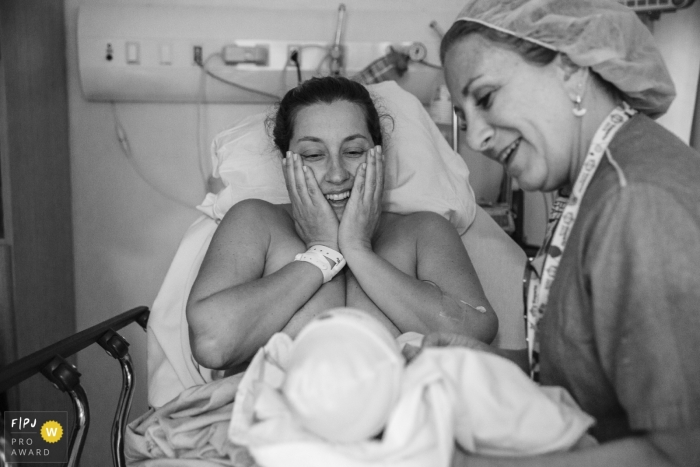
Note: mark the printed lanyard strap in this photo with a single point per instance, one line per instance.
(538, 288)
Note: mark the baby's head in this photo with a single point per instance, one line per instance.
(344, 376)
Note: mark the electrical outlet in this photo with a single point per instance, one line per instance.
(290, 49)
(197, 55)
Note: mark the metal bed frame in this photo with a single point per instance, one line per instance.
(51, 362)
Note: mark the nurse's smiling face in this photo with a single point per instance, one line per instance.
(516, 112)
(332, 140)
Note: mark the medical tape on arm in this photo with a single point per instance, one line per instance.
(318, 255)
(453, 308)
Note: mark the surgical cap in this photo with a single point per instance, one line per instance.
(601, 34)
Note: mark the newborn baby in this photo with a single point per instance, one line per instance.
(323, 398)
(344, 376)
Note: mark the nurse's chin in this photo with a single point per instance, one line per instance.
(525, 182)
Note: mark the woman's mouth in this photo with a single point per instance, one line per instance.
(338, 198)
(507, 154)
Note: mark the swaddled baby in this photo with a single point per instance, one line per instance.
(344, 376)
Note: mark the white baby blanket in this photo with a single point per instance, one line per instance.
(482, 401)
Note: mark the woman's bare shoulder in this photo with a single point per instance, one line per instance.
(253, 221)
(256, 212)
(404, 230)
(415, 222)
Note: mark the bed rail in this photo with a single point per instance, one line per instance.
(51, 362)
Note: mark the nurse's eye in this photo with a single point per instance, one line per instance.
(485, 101)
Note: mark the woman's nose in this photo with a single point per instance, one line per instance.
(337, 171)
(479, 133)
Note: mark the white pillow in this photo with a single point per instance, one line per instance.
(422, 172)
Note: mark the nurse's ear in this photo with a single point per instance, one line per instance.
(575, 79)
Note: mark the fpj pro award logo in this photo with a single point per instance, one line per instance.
(35, 436)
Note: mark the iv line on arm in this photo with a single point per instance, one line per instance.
(453, 308)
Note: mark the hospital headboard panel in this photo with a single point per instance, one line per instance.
(154, 53)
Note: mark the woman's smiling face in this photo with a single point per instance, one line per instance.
(515, 112)
(332, 140)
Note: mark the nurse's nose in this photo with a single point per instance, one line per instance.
(479, 133)
(337, 171)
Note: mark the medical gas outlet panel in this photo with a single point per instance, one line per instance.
(236, 55)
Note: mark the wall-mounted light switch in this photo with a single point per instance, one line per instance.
(166, 54)
(132, 53)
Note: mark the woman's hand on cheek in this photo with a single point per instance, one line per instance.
(314, 219)
(363, 211)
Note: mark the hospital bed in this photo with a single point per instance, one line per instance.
(423, 173)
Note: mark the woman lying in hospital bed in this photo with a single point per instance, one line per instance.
(421, 173)
(273, 267)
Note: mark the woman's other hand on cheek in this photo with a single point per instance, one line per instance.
(363, 211)
(314, 219)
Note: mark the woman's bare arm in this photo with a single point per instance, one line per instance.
(445, 293)
(232, 309)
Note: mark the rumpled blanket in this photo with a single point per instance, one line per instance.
(484, 402)
(189, 431)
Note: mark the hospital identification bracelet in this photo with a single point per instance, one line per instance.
(317, 255)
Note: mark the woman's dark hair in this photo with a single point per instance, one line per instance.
(326, 90)
(533, 53)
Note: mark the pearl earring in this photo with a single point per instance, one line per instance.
(578, 110)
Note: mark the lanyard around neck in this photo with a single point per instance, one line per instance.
(542, 277)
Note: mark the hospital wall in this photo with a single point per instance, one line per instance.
(126, 232)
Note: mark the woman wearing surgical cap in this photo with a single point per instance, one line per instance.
(563, 93)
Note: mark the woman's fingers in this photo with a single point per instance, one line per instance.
(300, 178)
(374, 177)
(370, 176)
(289, 178)
(358, 185)
(379, 190)
(316, 196)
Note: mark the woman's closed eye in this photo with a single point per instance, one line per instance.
(312, 156)
(354, 152)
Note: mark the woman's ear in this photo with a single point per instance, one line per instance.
(574, 77)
